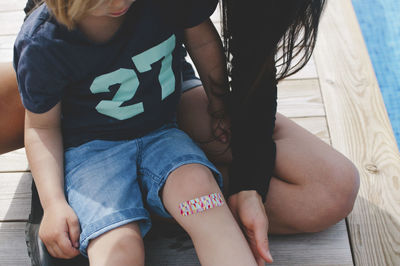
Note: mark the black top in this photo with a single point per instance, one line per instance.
(254, 150)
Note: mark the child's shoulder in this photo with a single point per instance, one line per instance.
(39, 25)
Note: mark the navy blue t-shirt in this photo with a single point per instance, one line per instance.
(120, 89)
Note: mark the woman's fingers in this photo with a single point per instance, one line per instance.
(261, 239)
(221, 129)
(248, 207)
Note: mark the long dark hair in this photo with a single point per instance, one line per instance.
(284, 29)
(265, 41)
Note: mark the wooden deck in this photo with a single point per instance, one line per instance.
(335, 97)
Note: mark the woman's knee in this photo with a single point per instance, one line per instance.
(345, 190)
(335, 198)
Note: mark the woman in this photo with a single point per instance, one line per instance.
(310, 185)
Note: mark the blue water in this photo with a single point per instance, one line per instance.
(380, 24)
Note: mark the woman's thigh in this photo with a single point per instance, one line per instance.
(294, 143)
(303, 158)
(11, 110)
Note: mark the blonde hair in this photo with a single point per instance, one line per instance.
(69, 12)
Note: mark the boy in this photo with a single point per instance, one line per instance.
(109, 68)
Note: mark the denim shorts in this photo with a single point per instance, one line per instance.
(112, 183)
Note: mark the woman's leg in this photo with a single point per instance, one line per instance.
(120, 246)
(313, 186)
(217, 238)
(11, 111)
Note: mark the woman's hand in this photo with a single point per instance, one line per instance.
(248, 209)
(220, 121)
(221, 129)
(59, 231)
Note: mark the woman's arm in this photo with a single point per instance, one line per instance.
(205, 48)
(43, 141)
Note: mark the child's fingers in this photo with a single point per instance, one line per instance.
(66, 249)
(55, 251)
(50, 239)
(59, 245)
(51, 251)
(74, 231)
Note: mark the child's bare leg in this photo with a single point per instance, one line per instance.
(120, 246)
(217, 237)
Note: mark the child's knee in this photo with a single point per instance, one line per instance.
(191, 180)
(188, 182)
(120, 246)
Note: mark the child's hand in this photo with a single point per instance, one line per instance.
(59, 230)
(248, 209)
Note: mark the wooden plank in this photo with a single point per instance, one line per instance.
(13, 250)
(216, 16)
(169, 245)
(6, 47)
(14, 161)
(300, 98)
(10, 22)
(316, 125)
(309, 71)
(330, 247)
(360, 129)
(6, 55)
(11, 19)
(7, 41)
(12, 5)
(15, 196)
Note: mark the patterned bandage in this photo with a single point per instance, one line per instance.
(201, 204)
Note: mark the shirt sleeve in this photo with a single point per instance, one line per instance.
(40, 78)
(187, 13)
(197, 11)
(252, 127)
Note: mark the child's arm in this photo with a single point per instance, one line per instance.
(59, 229)
(205, 48)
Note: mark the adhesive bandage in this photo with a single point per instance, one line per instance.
(201, 204)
